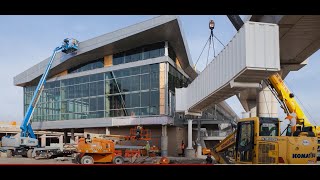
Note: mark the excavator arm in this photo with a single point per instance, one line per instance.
(219, 150)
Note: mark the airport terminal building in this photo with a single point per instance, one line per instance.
(117, 81)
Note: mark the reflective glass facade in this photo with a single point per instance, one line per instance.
(88, 66)
(176, 79)
(140, 53)
(133, 91)
(127, 92)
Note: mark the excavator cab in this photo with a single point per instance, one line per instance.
(258, 141)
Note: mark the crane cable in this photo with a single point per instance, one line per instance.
(210, 39)
(202, 52)
(265, 99)
(208, 51)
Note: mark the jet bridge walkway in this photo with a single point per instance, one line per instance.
(251, 56)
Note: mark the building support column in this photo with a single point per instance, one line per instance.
(76, 139)
(164, 141)
(72, 140)
(252, 104)
(166, 49)
(65, 137)
(61, 139)
(267, 103)
(43, 140)
(189, 152)
(199, 147)
(107, 131)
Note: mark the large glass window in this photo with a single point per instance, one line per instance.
(176, 79)
(126, 92)
(140, 53)
(99, 63)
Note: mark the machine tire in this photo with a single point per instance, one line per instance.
(87, 160)
(29, 153)
(9, 153)
(118, 160)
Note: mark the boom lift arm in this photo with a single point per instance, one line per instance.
(68, 46)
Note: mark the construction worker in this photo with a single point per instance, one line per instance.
(209, 159)
(138, 135)
(147, 148)
(182, 148)
(88, 139)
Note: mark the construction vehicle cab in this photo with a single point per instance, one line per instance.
(258, 141)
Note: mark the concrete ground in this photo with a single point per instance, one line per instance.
(22, 160)
(142, 160)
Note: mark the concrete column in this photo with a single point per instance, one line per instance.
(76, 139)
(189, 152)
(43, 140)
(65, 136)
(107, 131)
(252, 104)
(199, 148)
(166, 49)
(267, 103)
(189, 134)
(164, 141)
(61, 139)
(72, 137)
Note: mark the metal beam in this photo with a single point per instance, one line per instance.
(236, 21)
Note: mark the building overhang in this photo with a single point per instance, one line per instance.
(161, 28)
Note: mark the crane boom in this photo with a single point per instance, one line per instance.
(67, 47)
(287, 100)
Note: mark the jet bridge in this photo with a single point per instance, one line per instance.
(250, 57)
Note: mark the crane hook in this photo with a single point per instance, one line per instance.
(211, 25)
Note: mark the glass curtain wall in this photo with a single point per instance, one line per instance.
(140, 53)
(127, 92)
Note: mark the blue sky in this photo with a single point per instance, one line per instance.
(27, 40)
